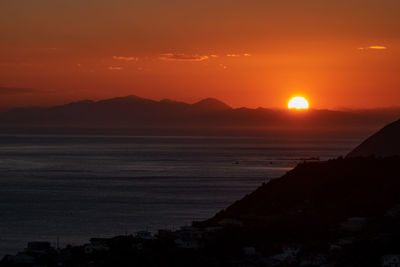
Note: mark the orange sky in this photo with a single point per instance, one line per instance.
(339, 54)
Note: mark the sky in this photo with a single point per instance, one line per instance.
(338, 54)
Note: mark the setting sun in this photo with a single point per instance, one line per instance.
(298, 102)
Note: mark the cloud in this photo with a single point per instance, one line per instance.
(239, 55)
(195, 57)
(379, 47)
(17, 91)
(114, 68)
(373, 47)
(126, 58)
(182, 57)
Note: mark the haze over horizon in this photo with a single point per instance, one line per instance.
(337, 54)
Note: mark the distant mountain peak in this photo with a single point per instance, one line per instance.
(127, 99)
(167, 100)
(132, 97)
(78, 103)
(170, 101)
(212, 104)
(85, 101)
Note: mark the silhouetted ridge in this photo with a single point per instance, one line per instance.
(384, 143)
(212, 104)
(82, 102)
(318, 196)
(130, 99)
(170, 101)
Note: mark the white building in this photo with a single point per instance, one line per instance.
(22, 258)
(390, 260)
(97, 245)
(354, 223)
(189, 237)
(145, 235)
(187, 243)
(289, 255)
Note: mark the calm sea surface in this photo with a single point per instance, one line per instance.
(77, 187)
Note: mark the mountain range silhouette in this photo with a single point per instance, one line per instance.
(208, 116)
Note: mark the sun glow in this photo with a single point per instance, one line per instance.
(298, 102)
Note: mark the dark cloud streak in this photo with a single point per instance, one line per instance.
(182, 57)
(17, 91)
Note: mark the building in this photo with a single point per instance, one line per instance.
(390, 260)
(97, 245)
(354, 224)
(38, 247)
(144, 235)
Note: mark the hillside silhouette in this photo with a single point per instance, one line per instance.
(316, 198)
(321, 193)
(384, 143)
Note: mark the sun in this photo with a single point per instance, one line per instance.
(298, 102)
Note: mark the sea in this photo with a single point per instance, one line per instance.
(66, 189)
